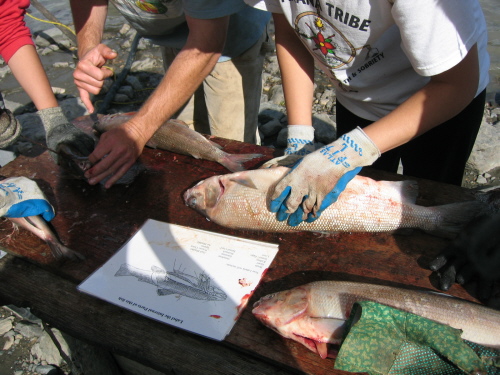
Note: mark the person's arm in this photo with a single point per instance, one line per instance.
(297, 72)
(322, 175)
(446, 95)
(89, 18)
(195, 61)
(297, 76)
(27, 68)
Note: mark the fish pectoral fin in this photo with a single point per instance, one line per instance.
(244, 181)
(330, 330)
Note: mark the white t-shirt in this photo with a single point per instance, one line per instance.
(379, 52)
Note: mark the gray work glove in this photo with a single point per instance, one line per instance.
(60, 132)
(10, 128)
(300, 142)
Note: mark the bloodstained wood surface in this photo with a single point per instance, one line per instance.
(97, 222)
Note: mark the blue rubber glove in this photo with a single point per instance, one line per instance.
(21, 197)
(320, 177)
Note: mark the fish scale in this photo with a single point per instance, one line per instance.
(242, 201)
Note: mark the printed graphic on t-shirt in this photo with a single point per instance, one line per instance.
(332, 49)
(155, 6)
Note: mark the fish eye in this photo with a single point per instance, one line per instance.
(191, 202)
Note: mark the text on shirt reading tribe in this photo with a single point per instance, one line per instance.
(337, 14)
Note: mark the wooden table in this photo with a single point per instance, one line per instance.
(97, 223)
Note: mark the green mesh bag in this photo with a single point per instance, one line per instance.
(392, 342)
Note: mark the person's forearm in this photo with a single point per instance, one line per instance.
(446, 95)
(89, 18)
(26, 66)
(188, 70)
(297, 72)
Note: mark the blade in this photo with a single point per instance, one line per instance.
(95, 118)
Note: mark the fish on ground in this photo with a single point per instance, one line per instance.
(314, 314)
(175, 136)
(241, 200)
(38, 226)
(175, 282)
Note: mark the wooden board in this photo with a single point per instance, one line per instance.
(96, 222)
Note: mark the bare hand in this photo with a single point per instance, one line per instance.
(116, 152)
(90, 73)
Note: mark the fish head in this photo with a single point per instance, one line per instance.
(225, 198)
(203, 197)
(278, 310)
(291, 314)
(72, 162)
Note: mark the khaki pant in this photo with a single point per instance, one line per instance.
(227, 104)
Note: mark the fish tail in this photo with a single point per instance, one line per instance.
(125, 270)
(60, 251)
(453, 217)
(234, 162)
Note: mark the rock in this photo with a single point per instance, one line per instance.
(4, 70)
(125, 29)
(6, 325)
(271, 128)
(121, 98)
(277, 96)
(146, 64)
(127, 91)
(46, 350)
(325, 129)
(134, 82)
(281, 141)
(9, 340)
(485, 155)
(29, 330)
(481, 180)
(46, 370)
(52, 37)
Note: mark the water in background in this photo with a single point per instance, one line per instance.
(60, 9)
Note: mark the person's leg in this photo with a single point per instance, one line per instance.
(442, 153)
(347, 121)
(232, 94)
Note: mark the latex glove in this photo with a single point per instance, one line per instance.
(473, 255)
(60, 132)
(10, 128)
(300, 142)
(90, 72)
(318, 179)
(21, 197)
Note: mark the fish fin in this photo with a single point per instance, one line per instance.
(245, 181)
(234, 162)
(60, 251)
(215, 144)
(38, 226)
(123, 271)
(165, 292)
(454, 217)
(322, 349)
(407, 190)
